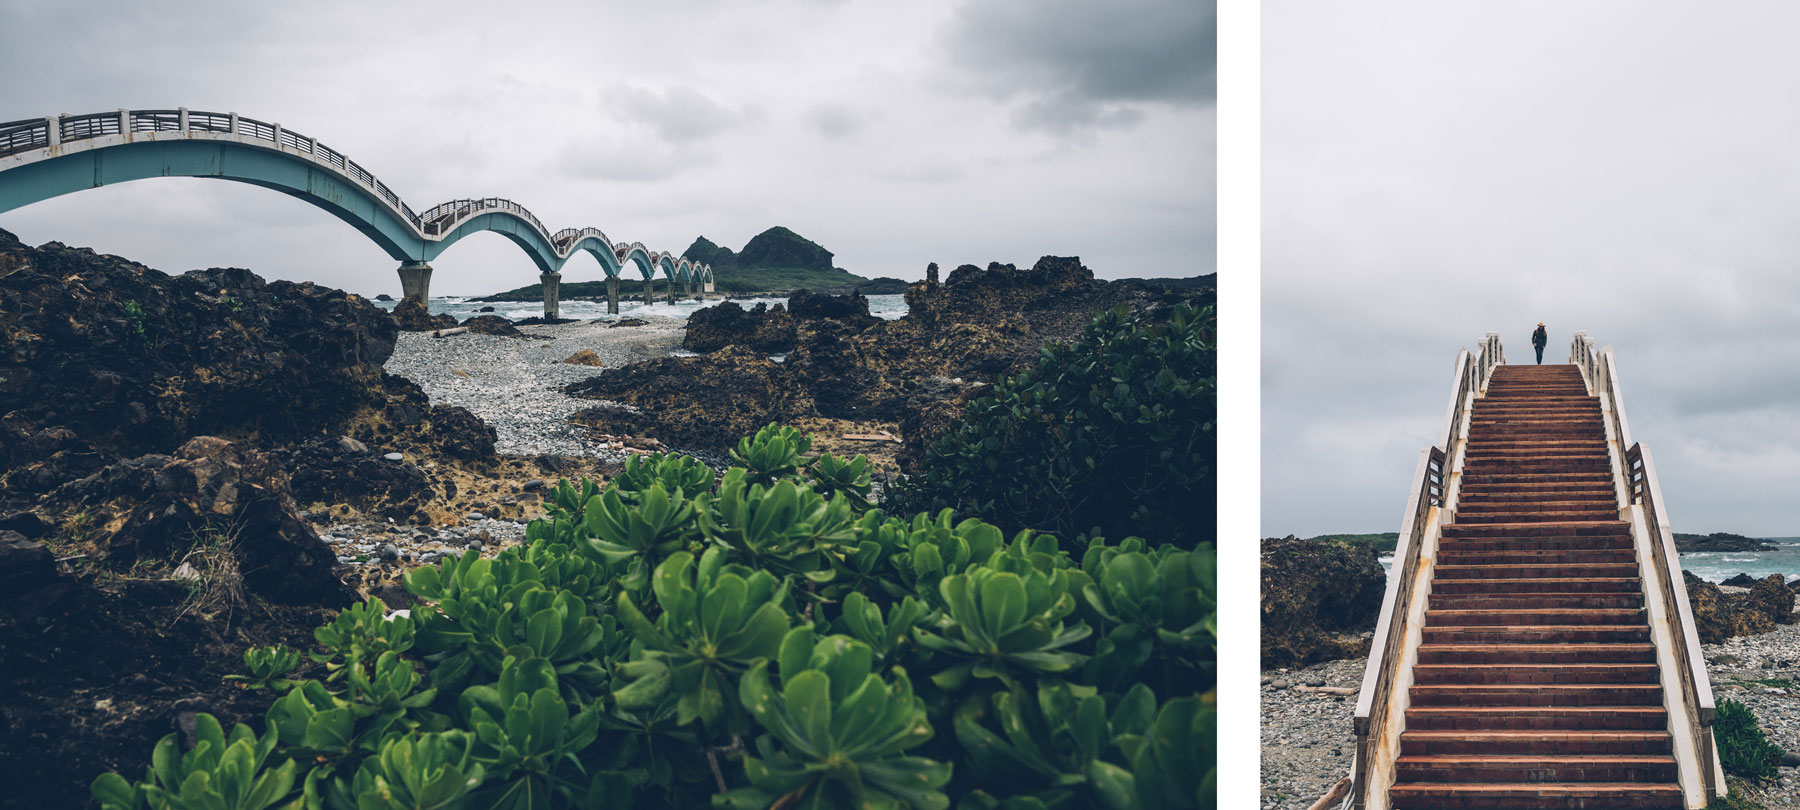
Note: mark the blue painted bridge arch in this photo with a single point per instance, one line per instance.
(48, 157)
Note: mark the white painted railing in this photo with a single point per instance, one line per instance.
(1635, 476)
(1435, 484)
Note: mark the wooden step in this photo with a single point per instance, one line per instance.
(1539, 584)
(1515, 743)
(1511, 674)
(1466, 654)
(1537, 718)
(1555, 796)
(1492, 695)
(1516, 601)
(1534, 617)
(1538, 634)
(1478, 768)
(1585, 570)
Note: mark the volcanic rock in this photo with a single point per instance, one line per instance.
(769, 330)
(493, 325)
(708, 401)
(210, 490)
(852, 309)
(413, 315)
(1739, 581)
(1719, 615)
(131, 360)
(1317, 597)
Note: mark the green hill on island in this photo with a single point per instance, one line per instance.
(776, 260)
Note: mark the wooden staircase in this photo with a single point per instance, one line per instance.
(1536, 684)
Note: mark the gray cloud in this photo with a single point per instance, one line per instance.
(655, 123)
(835, 120)
(675, 113)
(1423, 185)
(1085, 63)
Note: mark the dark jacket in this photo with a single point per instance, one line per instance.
(1538, 338)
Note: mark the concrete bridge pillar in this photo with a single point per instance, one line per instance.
(415, 281)
(671, 290)
(708, 286)
(552, 292)
(612, 295)
(649, 291)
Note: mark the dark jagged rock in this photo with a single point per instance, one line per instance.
(1317, 600)
(983, 324)
(485, 309)
(384, 297)
(765, 329)
(345, 471)
(132, 360)
(406, 420)
(883, 285)
(931, 411)
(1739, 581)
(493, 325)
(624, 322)
(210, 490)
(851, 310)
(708, 401)
(1719, 541)
(414, 315)
(1719, 615)
(538, 320)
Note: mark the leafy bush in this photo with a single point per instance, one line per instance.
(764, 638)
(1743, 749)
(1114, 434)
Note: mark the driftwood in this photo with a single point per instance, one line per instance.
(1325, 690)
(883, 436)
(456, 330)
(1333, 796)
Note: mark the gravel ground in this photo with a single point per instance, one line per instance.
(1306, 736)
(1763, 673)
(376, 543)
(515, 384)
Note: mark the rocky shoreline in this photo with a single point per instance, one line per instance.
(1306, 712)
(1317, 618)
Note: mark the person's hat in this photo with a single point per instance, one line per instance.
(1540, 323)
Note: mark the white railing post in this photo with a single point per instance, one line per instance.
(277, 135)
(312, 146)
(54, 122)
(183, 120)
(234, 123)
(124, 121)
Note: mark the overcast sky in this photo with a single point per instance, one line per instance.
(894, 134)
(1436, 170)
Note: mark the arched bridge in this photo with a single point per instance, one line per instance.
(48, 157)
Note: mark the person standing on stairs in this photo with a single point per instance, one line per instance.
(1538, 339)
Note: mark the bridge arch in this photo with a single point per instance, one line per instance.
(48, 157)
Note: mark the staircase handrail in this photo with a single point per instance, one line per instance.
(1429, 489)
(1643, 488)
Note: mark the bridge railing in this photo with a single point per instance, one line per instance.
(1432, 487)
(1643, 488)
(39, 133)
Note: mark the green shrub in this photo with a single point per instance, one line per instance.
(1114, 434)
(1743, 749)
(764, 638)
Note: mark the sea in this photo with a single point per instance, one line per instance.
(881, 306)
(1718, 566)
